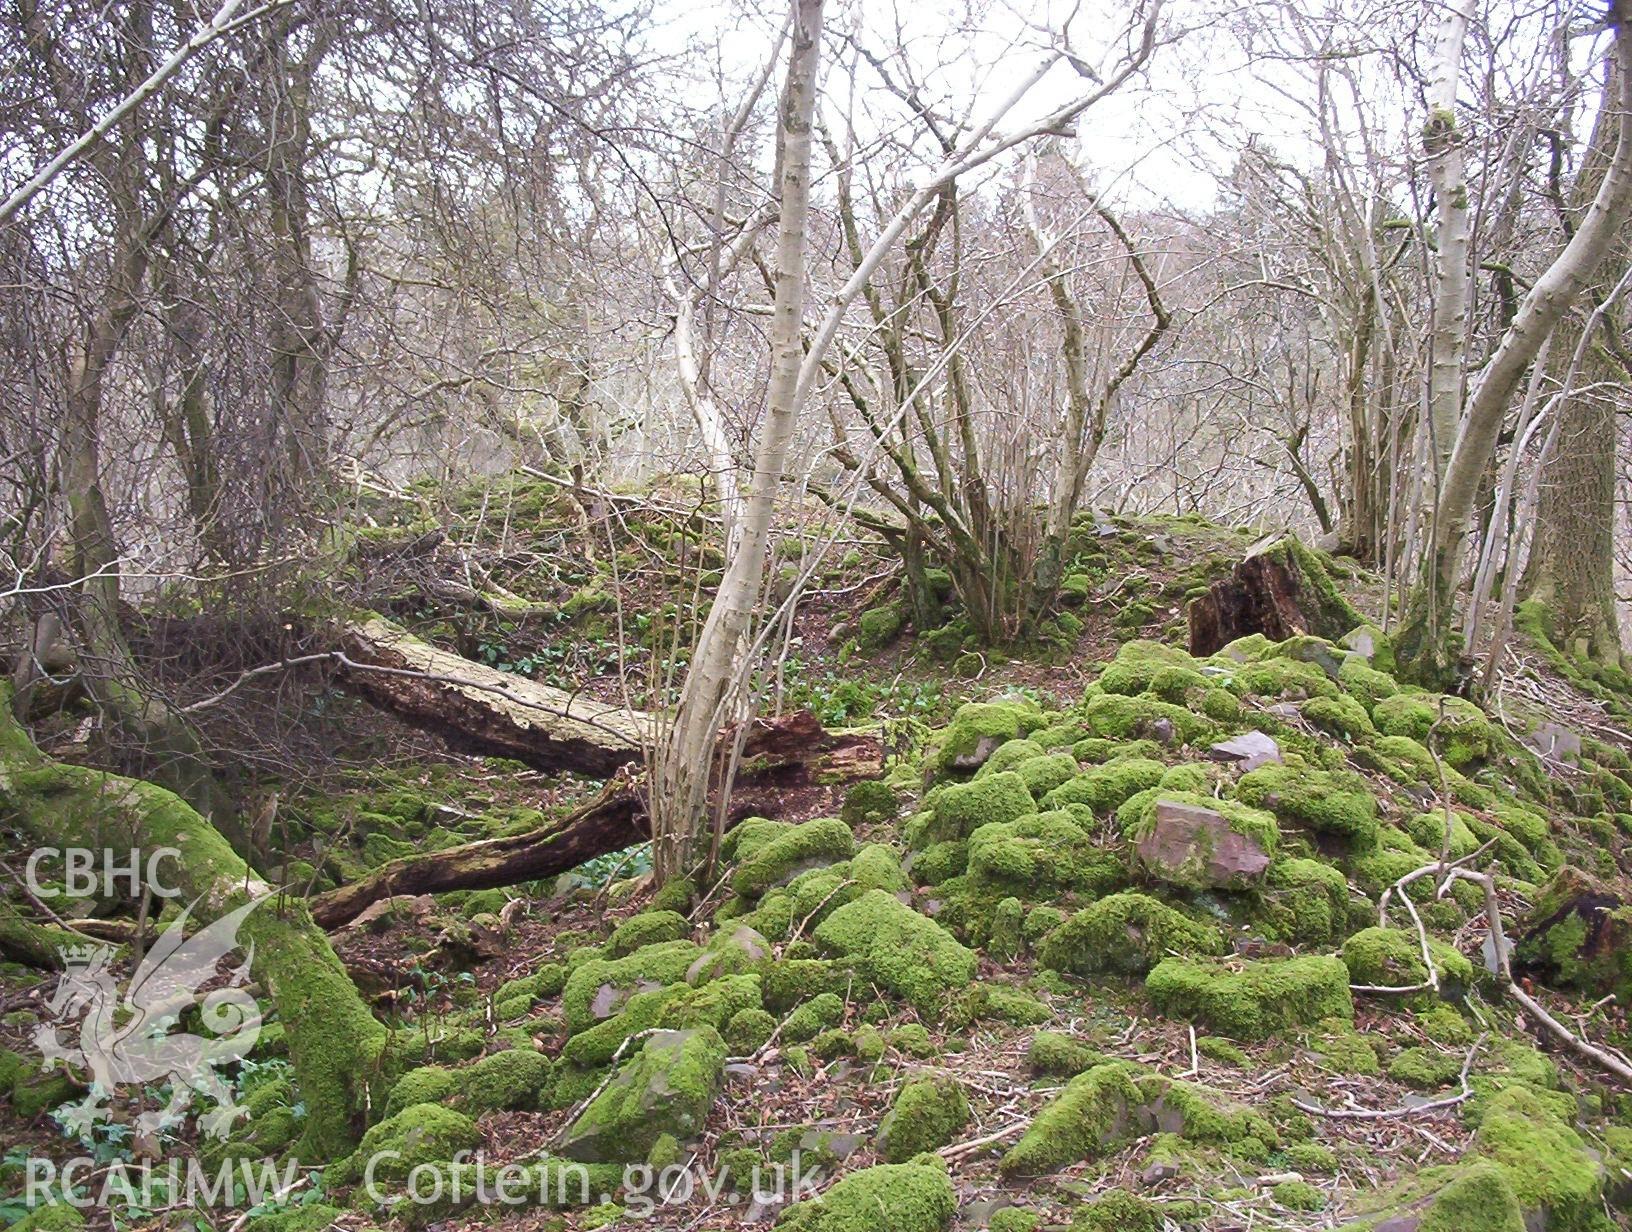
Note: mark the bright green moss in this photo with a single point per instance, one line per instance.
(1365, 683)
(667, 1088)
(1464, 734)
(910, 1197)
(1252, 999)
(1123, 718)
(878, 626)
(515, 1078)
(1284, 678)
(1343, 1050)
(940, 861)
(1042, 850)
(1299, 1196)
(1151, 667)
(823, 841)
(1009, 755)
(55, 1217)
(654, 966)
(1545, 1161)
(976, 730)
(1392, 958)
(748, 1030)
(1125, 934)
(898, 949)
(1013, 1219)
(927, 1115)
(992, 1002)
(1340, 716)
(1338, 803)
(785, 982)
(962, 808)
(1061, 1056)
(419, 1134)
(821, 1012)
(1006, 938)
(1305, 901)
(647, 928)
(1424, 1068)
(1120, 1211)
(877, 867)
(1093, 1114)
(1043, 774)
(1107, 786)
(1102, 1109)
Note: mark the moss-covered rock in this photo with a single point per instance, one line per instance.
(419, 1134)
(962, 808)
(927, 1115)
(1105, 787)
(647, 928)
(1249, 1000)
(1338, 803)
(1061, 1056)
(1007, 937)
(1125, 934)
(791, 852)
(1116, 716)
(810, 1019)
(868, 803)
(976, 731)
(910, 1197)
(1552, 1171)
(515, 1078)
(598, 988)
(1199, 843)
(898, 949)
(1041, 851)
(667, 1088)
(1392, 958)
(1104, 1108)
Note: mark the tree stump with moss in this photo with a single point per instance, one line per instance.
(1279, 589)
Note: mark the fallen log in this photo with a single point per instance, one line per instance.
(778, 757)
(494, 712)
(1279, 589)
(613, 820)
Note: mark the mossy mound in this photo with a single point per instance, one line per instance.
(927, 1115)
(1042, 853)
(1251, 999)
(790, 851)
(1104, 1108)
(1337, 803)
(1392, 958)
(667, 1088)
(419, 1134)
(898, 949)
(962, 808)
(1125, 934)
(910, 1197)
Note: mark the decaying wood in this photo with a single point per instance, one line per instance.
(777, 753)
(614, 819)
(1279, 589)
(491, 711)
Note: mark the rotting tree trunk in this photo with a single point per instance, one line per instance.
(335, 1044)
(1280, 589)
(615, 819)
(777, 754)
(490, 711)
